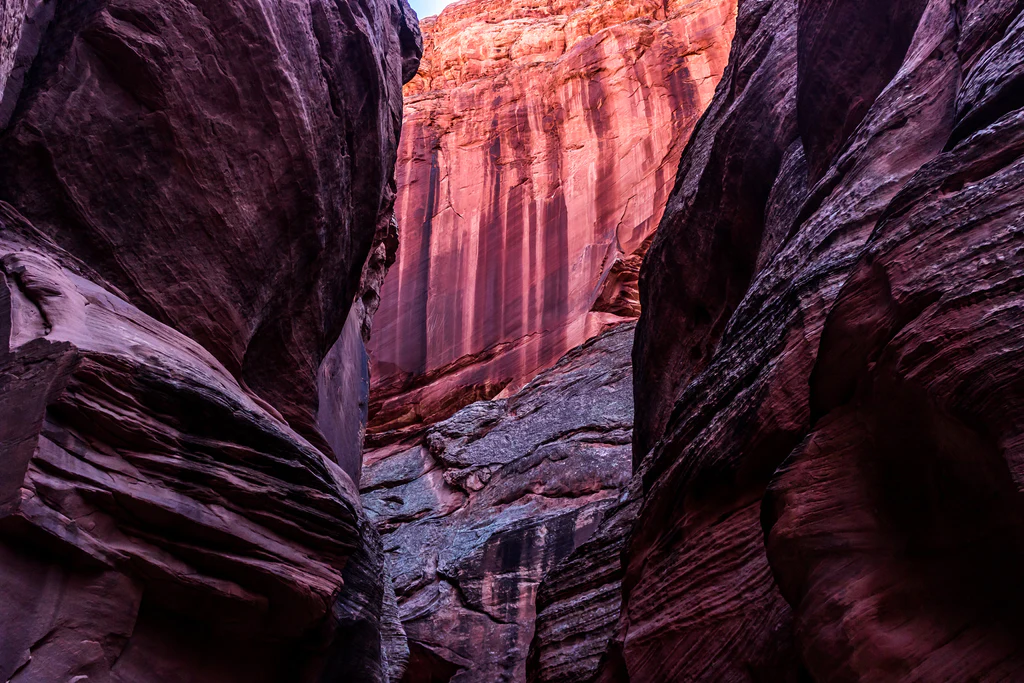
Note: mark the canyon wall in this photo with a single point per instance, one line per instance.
(827, 369)
(493, 498)
(538, 150)
(189, 194)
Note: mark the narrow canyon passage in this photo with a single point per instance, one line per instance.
(797, 507)
(539, 341)
(537, 154)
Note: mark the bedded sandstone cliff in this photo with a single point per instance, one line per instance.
(538, 150)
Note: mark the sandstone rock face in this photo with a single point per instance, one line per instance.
(828, 381)
(538, 151)
(579, 601)
(188, 196)
(477, 512)
(343, 381)
(228, 136)
(21, 25)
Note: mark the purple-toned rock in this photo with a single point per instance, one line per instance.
(491, 499)
(222, 164)
(343, 380)
(829, 401)
(579, 601)
(189, 194)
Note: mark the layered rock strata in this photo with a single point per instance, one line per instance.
(538, 151)
(828, 381)
(579, 601)
(188, 196)
(491, 499)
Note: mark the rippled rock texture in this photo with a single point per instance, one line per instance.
(828, 366)
(477, 512)
(189, 193)
(539, 147)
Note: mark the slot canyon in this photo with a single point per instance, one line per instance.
(537, 341)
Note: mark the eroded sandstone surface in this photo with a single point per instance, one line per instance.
(475, 514)
(538, 150)
(580, 599)
(189, 197)
(828, 365)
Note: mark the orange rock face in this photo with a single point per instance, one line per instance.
(538, 150)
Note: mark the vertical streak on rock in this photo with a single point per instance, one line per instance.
(533, 309)
(512, 311)
(487, 300)
(556, 274)
(558, 125)
(416, 346)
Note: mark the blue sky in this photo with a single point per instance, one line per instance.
(427, 8)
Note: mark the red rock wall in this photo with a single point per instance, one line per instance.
(188, 195)
(224, 182)
(538, 150)
(828, 378)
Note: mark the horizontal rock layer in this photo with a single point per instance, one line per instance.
(188, 196)
(829, 403)
(144, 487)
(538, 150)
(491, 499)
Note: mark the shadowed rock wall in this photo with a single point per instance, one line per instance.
(828, 382)
(188, 196)
(204, 157)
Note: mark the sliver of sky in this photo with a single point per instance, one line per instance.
(428, 8)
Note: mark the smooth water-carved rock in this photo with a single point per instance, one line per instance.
(538, 151)
(188, 196)
(343, 380)
(205, 157)
(143, 487)
(491, 499)
(827, 381)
